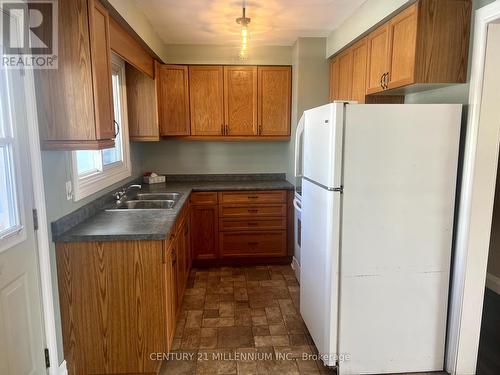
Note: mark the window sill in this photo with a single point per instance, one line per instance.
(95, 183)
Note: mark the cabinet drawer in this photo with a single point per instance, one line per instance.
(277, 210)
(250, 224)
(273, 196)
(252, 244)
(204, 198)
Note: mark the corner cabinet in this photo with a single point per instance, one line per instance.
(214, 102)
(75, 103)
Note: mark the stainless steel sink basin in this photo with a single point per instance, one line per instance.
(158, 196)
(147, 204)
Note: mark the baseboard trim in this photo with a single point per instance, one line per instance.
(493, 283)
(296, 267)
(63, 370)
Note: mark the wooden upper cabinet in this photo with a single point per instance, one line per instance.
(403, 39)
(378, 53)
(425, 44)
(359, 61)
(101, 68)
(345, 75)
(75, 105)
(240, 100)
(275, 91)
(173, 96)
(206, 94)
(141, 105)
(334, 79)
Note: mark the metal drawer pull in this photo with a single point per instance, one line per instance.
(253, 243)
(253, 224)
(253, 210)
(253, 197)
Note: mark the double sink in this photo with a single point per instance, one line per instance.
(149, 201)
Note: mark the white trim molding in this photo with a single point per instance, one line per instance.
(493, 283)
(62, 369)
(475, 212)
(42, 234)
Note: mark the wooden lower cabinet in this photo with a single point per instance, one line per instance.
(241, 224)
(120, 301)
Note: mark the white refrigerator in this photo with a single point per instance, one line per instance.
(378, 198)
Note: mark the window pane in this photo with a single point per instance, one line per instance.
(113, 155)
(9, 216)
(88, 162)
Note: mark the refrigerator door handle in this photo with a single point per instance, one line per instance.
(297, 205)
(298, 134)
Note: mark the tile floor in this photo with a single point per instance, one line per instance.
(242, 321)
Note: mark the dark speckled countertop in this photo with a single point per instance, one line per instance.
(121, 225)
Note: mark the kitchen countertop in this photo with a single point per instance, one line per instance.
(129, 225)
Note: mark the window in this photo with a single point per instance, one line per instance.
(10, 215)
(96, 170)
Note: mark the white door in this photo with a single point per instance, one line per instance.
(21, 326)
(319, 261)
(400, 169)
(322, 152)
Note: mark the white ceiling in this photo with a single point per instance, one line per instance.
(274, 22)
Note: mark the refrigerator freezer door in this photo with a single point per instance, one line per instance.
(400, 172)
(319, 266)
(323, 144)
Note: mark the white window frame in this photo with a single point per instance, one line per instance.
(16, 234)
(84, 186)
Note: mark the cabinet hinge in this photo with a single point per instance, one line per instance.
(47, 358)
(35, 219)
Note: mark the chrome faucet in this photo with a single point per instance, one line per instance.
(121, 194)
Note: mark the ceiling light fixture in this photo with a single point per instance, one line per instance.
(243, 21)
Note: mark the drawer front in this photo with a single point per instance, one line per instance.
(252, 244)
(272, 196)
(278, 210)
(204, 198)
(250, 224)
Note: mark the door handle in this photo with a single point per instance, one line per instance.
(381, 81)
(386, 80)
(221, 129)
(253, 211)
(253, 243)
(227, 129)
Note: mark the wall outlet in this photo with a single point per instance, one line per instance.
(69, 190)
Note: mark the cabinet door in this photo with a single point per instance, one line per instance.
(181, 264)
(275, 90)
(206, 100)
(173, 100)
(101, 70)
(240, 100)
(378, 54)
(359, 60)
(204, 231)
(403, 41)
(334, 79)
(141, 106)
(187, 244)
(345, 75)
(170, 296)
